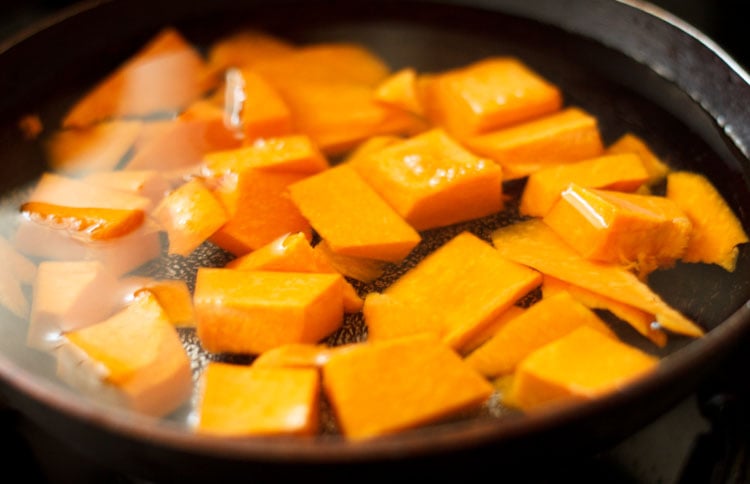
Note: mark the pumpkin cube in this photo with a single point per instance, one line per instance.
(632, 143)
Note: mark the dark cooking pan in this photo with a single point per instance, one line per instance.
(632, 65)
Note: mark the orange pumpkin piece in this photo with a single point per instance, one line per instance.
(471, 292)
(567, 136)
(377, 389)
(632, 143)
(136, 354)
(388, 317)
(165, 75)
(369, 146)
(716, 229)
(640, 232)
(352, 217)
(492, 328)
(263, 112)
(255, 311)
(543, 322)
(583, 365)
(432, 181)
(173, 295)
(293, 253)
(613, 172)
(400, 90)
(189, 214)
(489, 94)
(240, 401)
(533, 243)
(640, 320)
(293, 153)
(87, 223)
(297, 355)
(259, 210)
(69, 295)
(244, 48)
(100, 147)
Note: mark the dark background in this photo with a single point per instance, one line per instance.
(662, 453)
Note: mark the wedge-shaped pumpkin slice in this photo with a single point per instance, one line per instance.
(400, 90)
(173, 295)
(640, 320)
(534, 244)
(465, 294)
(100, 147)
(190, 214)
(640, 232)
(255, 311)
(165, 75)
(241, 401)
(377, 389)
(432, 181)
(352, 217)
(259, 210)
(86, 223)
(68, 296)
(293, 253)
(632, 143)
(134, 359)
(562, 137)
(614, 172)
(716, 229)
(583, 365)
(294, 153)
(543, 322)
(489, 94)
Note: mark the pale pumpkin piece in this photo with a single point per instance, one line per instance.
(640, 320)
(15, 263)
(640, 232)
(293, 253)
(293, 153)
(97, 148)
(85, 223)
(67, 191)
(543, 322)
(492, 328)
(263, 112)
(352, 217)
(298, 355)
(69, 295)
(151, 184)
(134, 358)
(583, 365)
(241, 401)
(489, 94)
(378, 389)
(717, 231)
(623, 173)
(359, 268)
(190, 214)
(12, 296)
(432, 181)
(470, 292)
(259, 210)
(532, 243)
(400, 90)
(165, 75)
(244, 48)
(250, 312)
(173, 295)
(567, 136)
(632, 143)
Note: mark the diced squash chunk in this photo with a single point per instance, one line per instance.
(400, 90)
(533, 243)
(492, 328)
(97, 148)
(173, 295)
(377, 389)
(388, 317)
(489, 94)
(141, 354)
(297, 355)
(369, 146)
(263, 112)
(352, 217)
(642, 232)
(716, 229)
(582, 365)
(252, 312)
(87, 223)
(259, 210)
(240, 401)
(190, 214)
(244, 48)
(471, 291)
(614, 172)
(432, 181)
(542, 323)
(632, 143)
(562, 137)
(165, 75)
